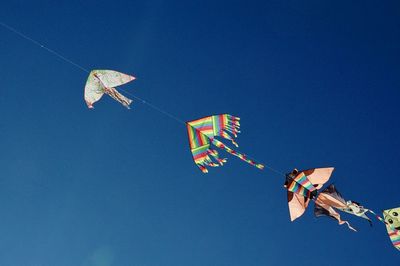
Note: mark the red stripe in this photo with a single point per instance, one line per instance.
(198, 156)
(221, 121)
(198, 134)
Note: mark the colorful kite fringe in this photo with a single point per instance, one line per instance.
(202, 133)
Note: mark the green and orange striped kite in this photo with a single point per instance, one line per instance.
(202, 133)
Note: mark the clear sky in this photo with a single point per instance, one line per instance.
(316, 83)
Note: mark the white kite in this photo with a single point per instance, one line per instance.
(105, 81)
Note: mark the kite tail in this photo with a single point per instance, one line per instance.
(205, 156)
(118, 97)
(214, 153)
(231, 126)
(243, 157)
(331, 212)
(348, 225)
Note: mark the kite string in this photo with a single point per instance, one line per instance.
(274, 170)
(43, 46)
(143, 101)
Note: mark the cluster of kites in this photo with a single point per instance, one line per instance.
(302, 186)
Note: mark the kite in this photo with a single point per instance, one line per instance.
(105, 81)
(330, 198)
(302, 186)
(202, 133)
(392, 221)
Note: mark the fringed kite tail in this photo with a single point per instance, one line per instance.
(243, 157)
(205, 157)
(230, 128)
(118, 97)
(215, 155)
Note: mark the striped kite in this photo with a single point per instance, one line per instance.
(302, 186)
(202, 133)
(105, 81)
(392, 221)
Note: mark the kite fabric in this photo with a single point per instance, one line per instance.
(202, 133)
(392, 221)
(302, 186)
(325, 203)
(356, 209)
(105, 81)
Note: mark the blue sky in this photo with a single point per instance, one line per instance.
(316, 83)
